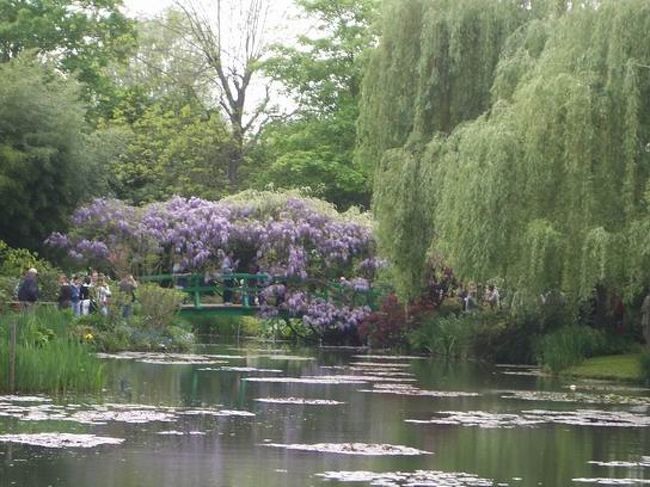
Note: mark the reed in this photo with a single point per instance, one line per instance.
(48, 358)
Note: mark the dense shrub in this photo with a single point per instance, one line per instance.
(448, 336)
(569, 346)
(14, 263)
(157, 305)
(387, 327)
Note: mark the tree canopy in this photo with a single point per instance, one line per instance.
(322, 73)
(532, 147)
(47, 161)
(80, 37)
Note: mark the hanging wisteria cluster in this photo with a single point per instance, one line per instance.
(281, 234)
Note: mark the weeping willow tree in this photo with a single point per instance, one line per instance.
(542, 178)
(434, 68)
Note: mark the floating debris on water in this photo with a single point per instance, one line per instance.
(160, 358)
(362, 378)
(218, 413)
(325, 379)
(525, 373)
(135, 416)
(243, 369)
(299, 400)
(581, 417)
(382, 365)
(580, 397)
(60, 440)
(644, 463)
(106, 413)
(382, 372)
(17, 398)
(419, 477)
(390, 357)
(482, 419)
(606, 386)
(181, 433)
(369, 449)
(612, 481)
(409, 390)
(297, 358)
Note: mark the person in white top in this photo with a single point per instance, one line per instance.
(103, 293)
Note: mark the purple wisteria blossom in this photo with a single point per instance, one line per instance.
(298, 240)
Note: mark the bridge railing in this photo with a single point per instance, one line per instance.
(249, 287)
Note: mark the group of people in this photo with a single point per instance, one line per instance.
(469, 297)
(92, 293)
(84, 294)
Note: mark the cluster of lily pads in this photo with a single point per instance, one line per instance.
(385, 375)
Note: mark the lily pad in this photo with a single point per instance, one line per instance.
(60, 440)
(327, 380)
(299, 400)
(366, 449)
(419, 477)
(580, 417)
(579, 397)
(409, 390)
(612, 481)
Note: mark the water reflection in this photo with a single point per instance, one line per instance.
(229, 450)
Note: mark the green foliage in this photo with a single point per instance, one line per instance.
(14, 263)
(228, 326)
(163, 69)
(404, 229)
(446, 336)
(316, 153)
(433, 69)
(170, 151)
(610, 367)
(569, 346)
(644, 361)
(528, 130)
(158, 306)
(323, 75)
(46, 166)
(81, 36)
(48, 358)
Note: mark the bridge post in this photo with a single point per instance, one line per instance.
(197, 294)
(244, 294)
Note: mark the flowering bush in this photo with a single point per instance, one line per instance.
(303, 241)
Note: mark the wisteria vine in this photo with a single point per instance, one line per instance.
(301, 239)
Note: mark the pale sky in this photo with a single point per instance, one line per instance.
(283, 24)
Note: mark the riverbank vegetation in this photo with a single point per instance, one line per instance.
(48, 357)
(510, 143)
(433, 148)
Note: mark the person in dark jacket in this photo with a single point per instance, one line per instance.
(65, 292)
(28, 289)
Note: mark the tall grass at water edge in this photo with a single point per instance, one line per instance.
(569, 346)
(48, 358)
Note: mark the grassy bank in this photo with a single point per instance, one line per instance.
(614, 367)
(48, 358)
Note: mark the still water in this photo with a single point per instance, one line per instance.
(210, 420)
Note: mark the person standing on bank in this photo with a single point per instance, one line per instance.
(28, 292)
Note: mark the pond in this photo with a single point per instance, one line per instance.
(267, 415)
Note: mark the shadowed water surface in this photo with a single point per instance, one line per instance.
(173, 421)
